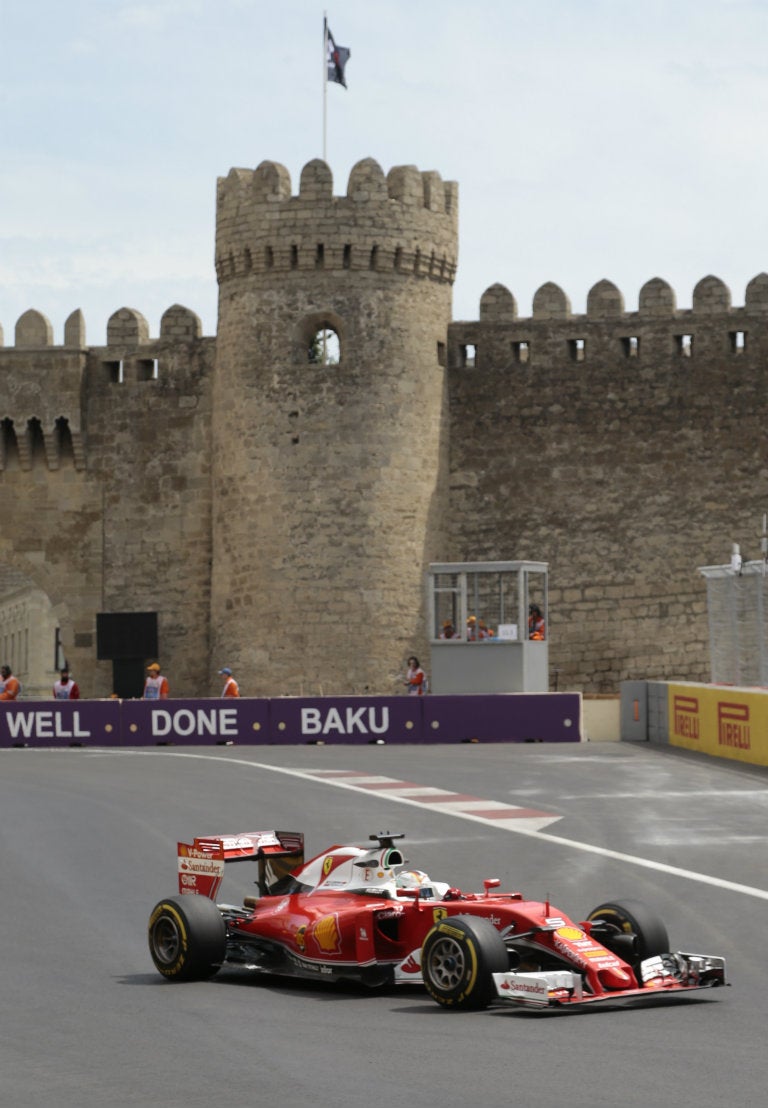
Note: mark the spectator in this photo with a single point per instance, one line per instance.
(415, 678)
(65, 688)
(9, 686)
(536, 626)
(155, 686)
(230, 687)
(448, 631)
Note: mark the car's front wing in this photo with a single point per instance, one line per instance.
(663, 975)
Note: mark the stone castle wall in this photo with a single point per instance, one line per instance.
(624, 448)
(106, 480)
(279, 514)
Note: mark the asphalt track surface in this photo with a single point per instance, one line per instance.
(88, 846)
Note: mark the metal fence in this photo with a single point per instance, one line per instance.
(737, 602)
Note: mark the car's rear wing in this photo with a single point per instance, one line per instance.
(201, 863)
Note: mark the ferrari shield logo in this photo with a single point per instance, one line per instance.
(439, 913)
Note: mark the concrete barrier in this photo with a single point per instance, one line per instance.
(602, 717)
(719, 720)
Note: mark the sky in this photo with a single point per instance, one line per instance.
(590, 139)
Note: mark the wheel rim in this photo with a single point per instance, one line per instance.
(617, 923)
(166, 941)
(446, 964)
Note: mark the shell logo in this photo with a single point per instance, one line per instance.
(327, 935)
(571, 933)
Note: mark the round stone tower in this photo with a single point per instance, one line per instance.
(328, 474)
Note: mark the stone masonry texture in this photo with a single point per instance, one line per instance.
(279, 514)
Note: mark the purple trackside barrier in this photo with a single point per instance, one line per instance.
(503, 718)
(292, 721)
(48, 723)
(195, 722)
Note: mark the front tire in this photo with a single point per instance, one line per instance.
(632, 917)
(187, 938)
(458, 957)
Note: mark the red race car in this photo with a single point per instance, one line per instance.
(361, 914)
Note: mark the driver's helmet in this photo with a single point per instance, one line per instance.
(413, 879)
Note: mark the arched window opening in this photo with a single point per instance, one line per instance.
(35, 440)
(9, 450)
(324, 347)
(64, 440)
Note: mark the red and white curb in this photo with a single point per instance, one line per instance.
(493, 812)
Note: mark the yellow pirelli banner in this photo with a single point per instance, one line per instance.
(720, 720)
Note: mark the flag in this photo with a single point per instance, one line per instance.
(338, 56)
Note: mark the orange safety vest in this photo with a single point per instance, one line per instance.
(536, 629)
(9, 688)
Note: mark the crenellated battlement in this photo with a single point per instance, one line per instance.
(49, 389)
(125, 327)
(605, 301)
(404, 223)
(656, 332)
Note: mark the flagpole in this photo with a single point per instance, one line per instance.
(325, 84)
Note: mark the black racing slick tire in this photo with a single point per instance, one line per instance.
(458, 957)
(187, 938)
(632, 917)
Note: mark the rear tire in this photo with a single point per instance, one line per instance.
(625, 917)
(458, 957)
(187, 938)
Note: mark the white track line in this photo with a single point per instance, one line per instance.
(513, 825)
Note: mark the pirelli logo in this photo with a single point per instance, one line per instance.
(733, 725)
(685, 710)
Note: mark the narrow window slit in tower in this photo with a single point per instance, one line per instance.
(738, 342)
(269, 257)
(577, 349)
(147, 369)
(294, 257)
(347, 260)
(320, 256)
(469, 355)
(374, 260)
(115, 371)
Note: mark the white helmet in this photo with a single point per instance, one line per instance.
(413, 879)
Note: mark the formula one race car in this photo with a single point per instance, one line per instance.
(361, 914)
